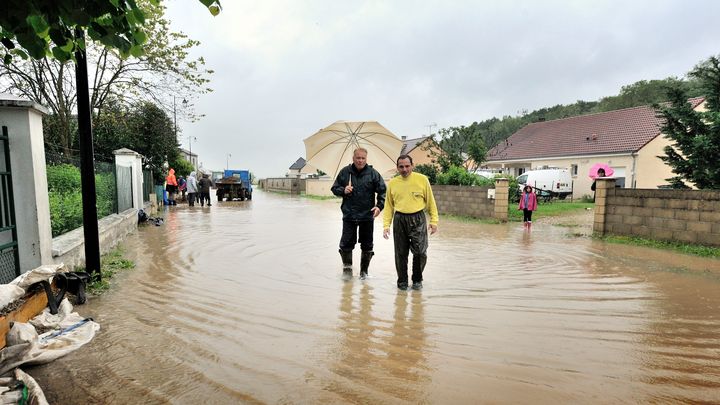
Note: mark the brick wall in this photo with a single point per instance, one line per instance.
(689, 216)
(473, 201)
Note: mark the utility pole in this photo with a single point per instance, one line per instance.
(227, 161)
(175, 120)
(87, 164)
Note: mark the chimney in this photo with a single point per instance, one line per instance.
(403, 137)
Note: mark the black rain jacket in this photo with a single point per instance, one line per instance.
(366, 183)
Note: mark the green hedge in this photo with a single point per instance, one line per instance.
(64, 190)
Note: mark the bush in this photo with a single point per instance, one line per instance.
(429, 170)
(105, 191)
(65, 195)
(63, 178)
(458, 176)
(65, 211)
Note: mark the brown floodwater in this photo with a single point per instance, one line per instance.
(244, 302)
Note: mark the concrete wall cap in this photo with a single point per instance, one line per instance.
(11, 101)
(126, 151)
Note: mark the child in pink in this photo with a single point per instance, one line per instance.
(528, 204)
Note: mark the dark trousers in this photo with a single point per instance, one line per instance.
(204, 197)
(527, 215)
(191, 199)
(351, 230)
(410, 235)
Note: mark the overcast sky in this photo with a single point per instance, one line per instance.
(286, 68)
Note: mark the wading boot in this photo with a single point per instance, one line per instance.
(365, 263)
(346, 256)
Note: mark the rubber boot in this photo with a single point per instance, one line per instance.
(346, 256)
(365, 258)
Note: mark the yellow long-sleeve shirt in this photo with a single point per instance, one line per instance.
(409, 195)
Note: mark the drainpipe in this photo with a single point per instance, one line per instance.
(632, 173)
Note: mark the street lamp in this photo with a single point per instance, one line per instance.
(190, 139)
(227, 161)
(175, 116)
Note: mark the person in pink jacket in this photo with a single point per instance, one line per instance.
(528, 204)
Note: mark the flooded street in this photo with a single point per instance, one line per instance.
(244, 302)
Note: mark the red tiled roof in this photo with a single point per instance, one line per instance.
(626, 130)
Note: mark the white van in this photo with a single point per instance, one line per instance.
(556, 182)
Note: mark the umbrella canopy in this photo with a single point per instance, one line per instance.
(332, 148)
(597, 166)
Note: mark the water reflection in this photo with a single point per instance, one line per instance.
(407, 347)
(380, 360)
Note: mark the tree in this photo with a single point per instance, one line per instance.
(30, 26)
(154, 136)
(41, 28)
(430, 171)
(695, 135)
(163, 69)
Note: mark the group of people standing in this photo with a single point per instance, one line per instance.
(195, 189)
(405, 200)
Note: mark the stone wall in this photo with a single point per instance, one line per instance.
(688, 216)
(320, 187)
(476, 202)
(69, 248)
(284, 184)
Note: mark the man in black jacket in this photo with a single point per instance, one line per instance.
(358, 184)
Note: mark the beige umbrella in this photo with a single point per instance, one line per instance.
(331, 148)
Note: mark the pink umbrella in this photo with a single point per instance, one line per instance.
(597, 166)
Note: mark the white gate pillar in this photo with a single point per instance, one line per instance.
(129, 158)
(29, 179)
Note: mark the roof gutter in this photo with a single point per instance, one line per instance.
(629, 153)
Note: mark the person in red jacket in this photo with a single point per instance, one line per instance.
(528, 204)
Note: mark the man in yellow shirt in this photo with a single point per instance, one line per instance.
(408, 196)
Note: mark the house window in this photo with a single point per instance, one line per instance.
(574, 170)
(521, 170)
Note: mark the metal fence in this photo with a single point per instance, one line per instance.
(9, 258)
(65, 191)
(124, 188)
(148, 185)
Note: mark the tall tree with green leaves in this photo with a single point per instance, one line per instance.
(162, 70)
(40, 28)
(157, 142)
(695, 134)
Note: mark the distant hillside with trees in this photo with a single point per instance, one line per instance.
(462, 142)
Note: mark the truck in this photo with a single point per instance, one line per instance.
(234, 184)
(548, 182)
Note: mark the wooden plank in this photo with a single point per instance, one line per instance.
(33, 305)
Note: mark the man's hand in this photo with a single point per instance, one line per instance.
(348, 189)
(375, 211)
(433, 229)
(386, 233)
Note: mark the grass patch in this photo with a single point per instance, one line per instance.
(697, 250)
(318, 197)
(553, 209)
(472, 220)
(110, 263)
